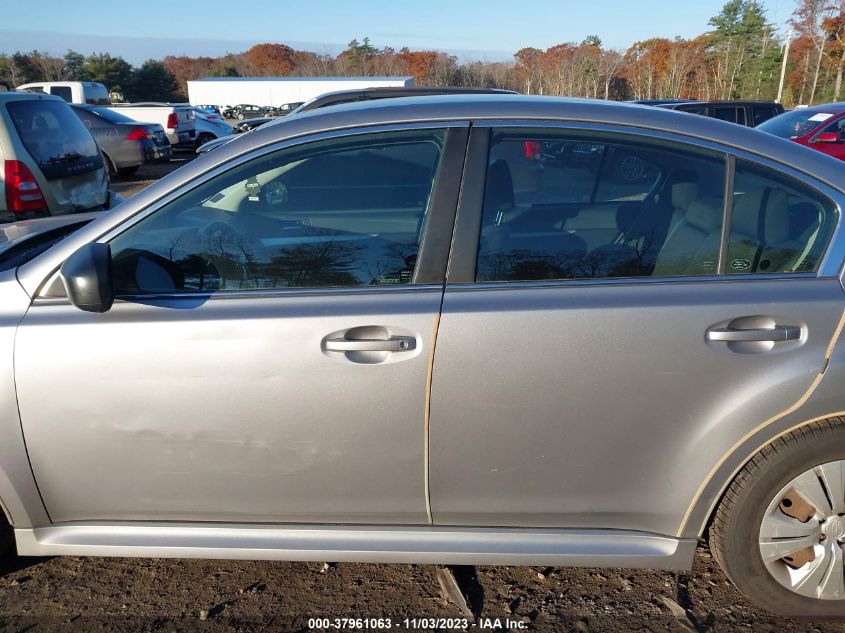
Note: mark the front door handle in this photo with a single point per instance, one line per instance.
(776, 334)
(395, 344)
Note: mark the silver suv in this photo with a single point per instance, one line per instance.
(465, 329)
(49, 163)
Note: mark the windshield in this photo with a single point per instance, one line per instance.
(796, 123)
(55, 137)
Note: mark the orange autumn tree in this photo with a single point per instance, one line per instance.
(271, 60)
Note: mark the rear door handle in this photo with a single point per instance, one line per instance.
(776, 334)
(395, 344)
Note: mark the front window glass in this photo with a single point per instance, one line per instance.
(569, 206)
(340, 213)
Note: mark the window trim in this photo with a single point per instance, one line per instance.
(445, 204)
(470, 209)
(727, 214)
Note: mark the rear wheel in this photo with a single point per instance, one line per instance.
(7, 538)
(204, 138)
(779, 532)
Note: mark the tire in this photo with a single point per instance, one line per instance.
(124, 172)
(109, 164)
(204, 138)
(241, 116)
(7, 538)
(764, 498)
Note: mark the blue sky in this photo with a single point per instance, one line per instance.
(493, 29)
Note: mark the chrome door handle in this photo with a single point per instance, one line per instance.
(775, 334)
(396, 344)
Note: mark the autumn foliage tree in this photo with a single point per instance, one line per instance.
(738, 57)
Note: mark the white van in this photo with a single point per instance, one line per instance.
(90, 92)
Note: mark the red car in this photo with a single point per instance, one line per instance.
(820, 127)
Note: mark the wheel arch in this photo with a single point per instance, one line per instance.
(703, 509)
(823, 400)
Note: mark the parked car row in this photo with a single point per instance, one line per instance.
(351, 96)
(820, 127)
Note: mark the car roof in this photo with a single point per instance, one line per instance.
(506, 107)
(824, 107)
(725, 102)
(28, 96)
(394, 92)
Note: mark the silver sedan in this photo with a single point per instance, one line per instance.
(463, 329)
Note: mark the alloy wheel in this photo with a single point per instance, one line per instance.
(802, 533)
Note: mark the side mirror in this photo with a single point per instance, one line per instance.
(829, 137)
(87, 276)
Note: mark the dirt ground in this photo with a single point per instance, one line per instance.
(116, 594)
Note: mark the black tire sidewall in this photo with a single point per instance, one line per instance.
(742, 554)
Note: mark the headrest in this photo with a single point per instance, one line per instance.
(705, 214)
(773, 204)
(498, 192)
(683, 194)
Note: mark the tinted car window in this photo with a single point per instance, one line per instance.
(110, 115)
(96, 94)
(763, 113)
(562, 206)
(54, 137)
(731, 114)
(778, 225)
(339, 213)
(694, 109)
(836, 127)
(62, 91)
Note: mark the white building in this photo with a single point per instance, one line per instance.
(277, 91)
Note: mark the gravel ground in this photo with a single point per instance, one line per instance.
(117, 594)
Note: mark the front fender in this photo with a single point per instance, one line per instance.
(21, 501)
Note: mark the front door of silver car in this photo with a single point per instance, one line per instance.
(621, 310)
(267, 356)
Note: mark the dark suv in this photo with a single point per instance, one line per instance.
(749, 113)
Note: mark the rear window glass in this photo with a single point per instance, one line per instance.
(111, 116)
(55, 137)
(96, 94)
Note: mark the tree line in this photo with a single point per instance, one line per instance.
(739, 57)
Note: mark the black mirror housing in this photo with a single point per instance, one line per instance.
(88, 280)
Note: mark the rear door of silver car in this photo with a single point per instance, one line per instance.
(606, 337)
